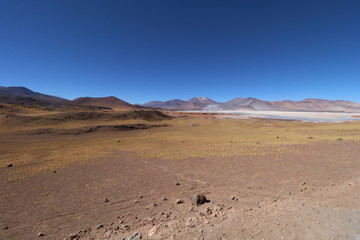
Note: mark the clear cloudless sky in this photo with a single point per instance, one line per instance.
(143, 50)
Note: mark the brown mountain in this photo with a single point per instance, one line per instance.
(311, 104)
(108, 102)
(26, 97)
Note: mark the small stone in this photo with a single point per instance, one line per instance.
(164, 199)
(40, 234)
(135, 236)
(141, 196)
(137, 202)
(339, 139)
(218, 208)
(153, 231)
(191, 209)
(179, 201)
(310, 137)
(5, 227)
(106, 200)
(208, 210)
(154, 204)
(99, 226)
(10, 165)
(198, 199)
(177, 183)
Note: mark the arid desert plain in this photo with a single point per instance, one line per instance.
(130, 175)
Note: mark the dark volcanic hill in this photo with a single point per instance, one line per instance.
(108, 102)
(26, 97)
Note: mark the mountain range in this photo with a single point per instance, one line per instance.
(26, 97)
(253, 104)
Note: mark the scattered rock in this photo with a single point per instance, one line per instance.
(135, 236)
(153, 231)
(154, 204)
(234, 198)
(164, 199)
(40, 234)
(137, 202)
(76, 236)
(179, 201)
(218, 208)
(99, 226)
(126, 227)
(10, 165)
(190, 222)
(198, 199)
(5, 227)
(208, 210)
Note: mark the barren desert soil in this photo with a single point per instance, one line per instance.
(264, 180)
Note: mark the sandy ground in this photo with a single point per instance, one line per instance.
(265, 179)
(311, 192)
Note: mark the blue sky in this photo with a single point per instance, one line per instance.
(158, 50)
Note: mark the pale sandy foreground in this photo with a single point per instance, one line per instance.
(265, 179)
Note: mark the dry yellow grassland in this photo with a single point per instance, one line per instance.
(185, 138)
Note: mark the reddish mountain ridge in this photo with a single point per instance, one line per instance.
(109, 102)
(26, 97)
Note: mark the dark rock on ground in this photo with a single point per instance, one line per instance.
(198, 199)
